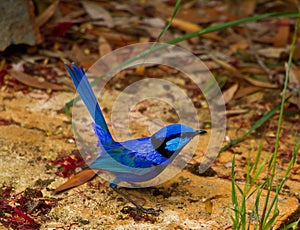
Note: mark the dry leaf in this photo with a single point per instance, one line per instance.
(237, 73)
(199, 15)
(241, 44)
(227, 66)
(282, 36)
(264, 39)
(154, 22)
(46, 15)
(185, 25)
(271, 52)
(34, 82)
(55, 53)
(96, 11)
(246, 91)
(229, 93)
(251, 69)
(236, 112)
(260, 83)
(192, 27)
(78, 179)
(113, 37)
(242, 8)
(294, 74)
(247, 7)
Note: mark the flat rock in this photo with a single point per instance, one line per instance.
(17, 23)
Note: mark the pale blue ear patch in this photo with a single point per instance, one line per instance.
(176, 143)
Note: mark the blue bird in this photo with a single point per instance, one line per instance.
(135, 160)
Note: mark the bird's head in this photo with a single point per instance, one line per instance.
(172, 138)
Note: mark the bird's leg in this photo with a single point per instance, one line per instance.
(138, 207)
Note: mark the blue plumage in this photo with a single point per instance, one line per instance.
(135, 160)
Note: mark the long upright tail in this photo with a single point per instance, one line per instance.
(86, 93)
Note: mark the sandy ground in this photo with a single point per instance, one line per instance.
(39, 131)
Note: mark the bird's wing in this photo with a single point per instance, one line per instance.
(86, 93)
(130, 156)
(119, 160)
(144, 152)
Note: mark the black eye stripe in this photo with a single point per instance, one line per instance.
(160, 144)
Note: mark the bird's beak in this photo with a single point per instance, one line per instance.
(200, 132)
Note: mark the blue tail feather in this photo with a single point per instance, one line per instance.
(86, 93)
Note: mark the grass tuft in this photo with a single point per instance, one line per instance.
(267, 218)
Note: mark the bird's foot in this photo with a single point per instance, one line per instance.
(130, 209)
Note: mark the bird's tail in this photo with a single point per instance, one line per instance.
(86, 93)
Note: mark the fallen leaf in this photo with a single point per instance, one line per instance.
(246, 91)
(192, 27)
(229, 93)
(247, 7)
(97, 12)
(282, 36)
(194, 15)
(294, 74)
(227, 66)
(78, 179)
(73, 16)
(34, 82)
(243, 8)
(154, 22)
(236, 112)
(251, 69)
(272, 52)
(113, 37)
(264, 39)
(54, 54)
(260, 83)
(185, 25)
(46, 15)
(238, 74)
(241, 44)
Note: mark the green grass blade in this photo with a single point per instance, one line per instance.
(256, 189)
(292, 225)
(271, 221)
(272, 165)
(279, 187)
(170, 22)
(236, 217)
(255, 165)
